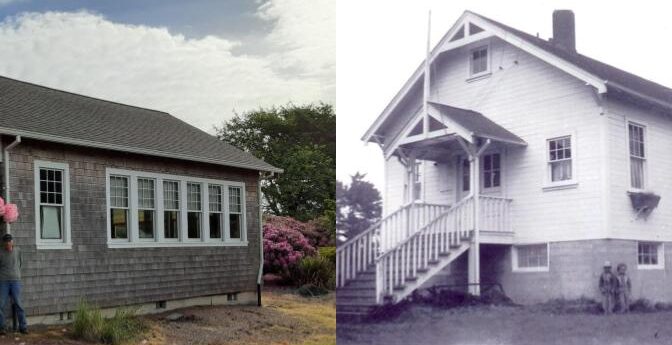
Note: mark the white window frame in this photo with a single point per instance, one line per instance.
(66, 241)
(180, 199)
(155, 231)
(549, 184)
(514, 259)
(500, 170)
(645, 159)
(488, 69)
(221, 212)
(660, 248)
(182, 241)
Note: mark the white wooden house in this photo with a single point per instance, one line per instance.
(516, 160)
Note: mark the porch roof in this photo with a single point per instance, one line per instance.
(476, 123)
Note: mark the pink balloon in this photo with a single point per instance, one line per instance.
(11, 213)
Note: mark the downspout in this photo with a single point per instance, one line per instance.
(261, 243)
(5, 158)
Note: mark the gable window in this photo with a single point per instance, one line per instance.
(533, 257)
(215, 208)
(637, 155)
(650, 255)
(492, 171)
(479, 63)
(193, 210)
(235, 212)
(160, 210)
(146, 208)
(171, 209)
(52, 204)
(119, 207)
(560, 159)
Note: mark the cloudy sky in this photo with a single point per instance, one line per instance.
(380, 43)
(199, 60)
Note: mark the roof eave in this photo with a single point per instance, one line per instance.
(122, 148)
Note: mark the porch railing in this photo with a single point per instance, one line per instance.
(495, 214)
(361, 251)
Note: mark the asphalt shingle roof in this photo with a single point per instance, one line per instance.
(39, 112)
(604, 71)
(478, 124)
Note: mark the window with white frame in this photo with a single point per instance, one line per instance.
(52, 204)
(417, 181)
(194, 210)
(146, 208)
(466, 175)
(531, 257)
(479, 63)
(560, 159)
(216, 211)
(161, 210)
(171, 209)
(637, 155)
(119, 187)
(650, 255)
(235, 212)
(492, 171)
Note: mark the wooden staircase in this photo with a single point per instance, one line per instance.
(397, 255)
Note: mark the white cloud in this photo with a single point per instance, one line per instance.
(198, 80)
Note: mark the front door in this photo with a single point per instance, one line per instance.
(491, 175)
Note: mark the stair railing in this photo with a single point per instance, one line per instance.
(361, 251)
(414, 253)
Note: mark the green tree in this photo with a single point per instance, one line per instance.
(358, 206)
(302, 141)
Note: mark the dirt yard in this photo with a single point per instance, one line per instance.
(509, 325)
(285, 319)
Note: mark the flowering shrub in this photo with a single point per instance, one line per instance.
(284, 247)
(313, 231)
(9, 212)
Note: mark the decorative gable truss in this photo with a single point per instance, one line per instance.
(470, 28)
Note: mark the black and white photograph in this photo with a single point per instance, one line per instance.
(503, 173)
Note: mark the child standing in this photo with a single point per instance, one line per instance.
(607, 287)
(623, 288)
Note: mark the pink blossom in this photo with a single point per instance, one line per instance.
(2, 207)
(11, 213)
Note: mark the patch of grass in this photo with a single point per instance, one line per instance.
(329, 253)
(581, 305)
(318, 315)
(90, 325)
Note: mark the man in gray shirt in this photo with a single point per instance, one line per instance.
(10, 282)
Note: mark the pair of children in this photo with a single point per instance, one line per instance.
(615, 288)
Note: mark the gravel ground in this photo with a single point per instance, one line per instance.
(509, 325)
(285, 319)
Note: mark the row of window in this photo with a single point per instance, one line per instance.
(145, 209)
(535, 257)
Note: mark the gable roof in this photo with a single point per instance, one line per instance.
(478, 124)
(42, 113)
(612, 76)
(603, 77)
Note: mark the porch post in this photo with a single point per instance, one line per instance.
(410, 196)
(474, 250)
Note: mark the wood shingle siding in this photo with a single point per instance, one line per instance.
(56, 280)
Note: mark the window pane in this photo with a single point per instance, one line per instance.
(171, 224)
(51, 186)
(119, 223)
(532, 255)
(235, 225)
(171, 195)
(561, 170)
(50, 222)
(119, 191)
(234, 200)
(215, 198)
(636, 172)
(145, 193)
(194, 196)
(215, 225)
(194, 224)
(146, 223)
(465, 175)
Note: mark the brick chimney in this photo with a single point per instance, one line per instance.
(563, 30)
